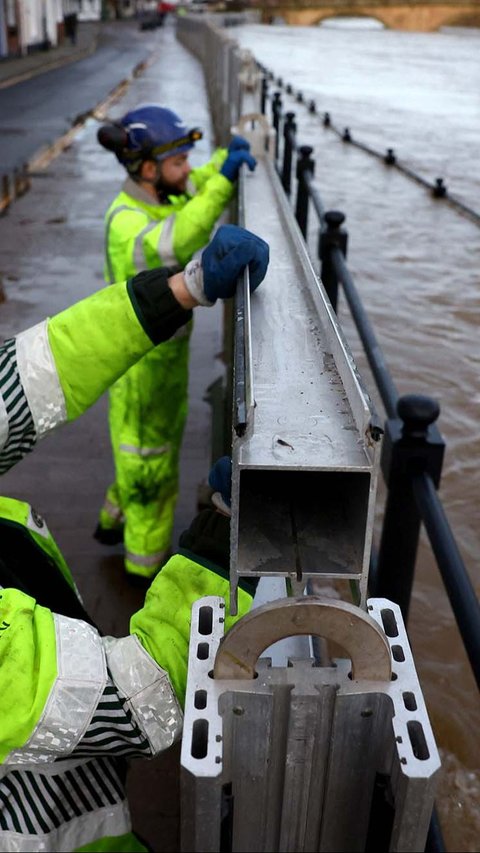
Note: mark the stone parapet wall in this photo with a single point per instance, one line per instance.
(225, 64)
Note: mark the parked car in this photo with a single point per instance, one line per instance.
(151, 15)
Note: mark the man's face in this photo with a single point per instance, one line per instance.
(174, 172)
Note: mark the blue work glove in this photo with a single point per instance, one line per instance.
(214, 276)
(220, 480)
(239, 143)
(235, 159)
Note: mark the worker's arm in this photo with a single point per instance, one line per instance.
(54, 371)
(176, 239)
(173, 241)
(64, 690)
(200, 174)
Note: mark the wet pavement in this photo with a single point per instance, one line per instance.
(52, 96)
(51, 243)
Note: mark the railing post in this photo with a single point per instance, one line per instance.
(305, 164)
(439, 189)
(412, 444)
(276, 114)
(263, 102)
(289, 130)
(332, 235)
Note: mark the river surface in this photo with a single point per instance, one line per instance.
(416, 263)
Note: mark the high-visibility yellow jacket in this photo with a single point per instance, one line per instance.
(149, 404)
(74, 704)
(54, 371)
(140, 234)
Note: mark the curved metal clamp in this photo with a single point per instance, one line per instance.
(347, 625)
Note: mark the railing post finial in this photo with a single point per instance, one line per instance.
(331, 235)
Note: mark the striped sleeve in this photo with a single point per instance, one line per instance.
(31, 397)
(112, 729)
(17, 430)
(63, 808)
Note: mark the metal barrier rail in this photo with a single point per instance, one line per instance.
(438, 188)
(413, 449)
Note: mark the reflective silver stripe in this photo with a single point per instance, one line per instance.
(3, 423)
(108, 225)
(36, 523)
(81, 677)
(113, 510)
(138, 252)
(145, 451)
(165, 243)
(77, 832)
(191, 188)
(142, 560)
(39, 377)
(147, 689)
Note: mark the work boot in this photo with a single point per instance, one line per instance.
(108, 536)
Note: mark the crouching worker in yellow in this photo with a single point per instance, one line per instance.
(75, 705)
(164, 213)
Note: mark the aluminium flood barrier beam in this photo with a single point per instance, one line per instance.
(305, 462)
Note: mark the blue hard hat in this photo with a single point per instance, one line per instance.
(150, 132)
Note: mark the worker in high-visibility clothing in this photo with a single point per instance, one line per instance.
(74, 705)
(163, 215)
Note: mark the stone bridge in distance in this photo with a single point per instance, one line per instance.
(413, 15)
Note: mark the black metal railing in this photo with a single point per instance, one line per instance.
(437, 188)
(413, 449)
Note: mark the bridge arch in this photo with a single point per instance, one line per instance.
(333, 14)
(401, 15)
